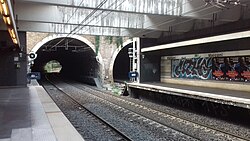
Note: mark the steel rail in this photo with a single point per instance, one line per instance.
(93, 114)
(179, 117)
(171, 127)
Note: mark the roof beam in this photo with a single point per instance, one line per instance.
(158, 7)
(57, 14)
(62, 15)
(86, 30)
(140, 16)
(185, 8)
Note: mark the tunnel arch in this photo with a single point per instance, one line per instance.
(115, 55)
(91, 48)
(56, 36)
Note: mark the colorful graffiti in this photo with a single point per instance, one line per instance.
(217, 68)
(231, 68)
(194, 68)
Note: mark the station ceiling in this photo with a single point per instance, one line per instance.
(134, 18)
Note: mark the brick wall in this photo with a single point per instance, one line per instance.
(106, 48)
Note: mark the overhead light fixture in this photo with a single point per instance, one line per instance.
(14, 40)
(8, 18)
(12, 33)
(5, 10)
(1, 9)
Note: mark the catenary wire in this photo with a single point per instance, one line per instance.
(71, 16)
(87, 17)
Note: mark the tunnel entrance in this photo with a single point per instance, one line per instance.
(121, 65)
(78, 59)
(52, 66)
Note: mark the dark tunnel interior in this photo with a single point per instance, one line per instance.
(77, 59)
(121, 65)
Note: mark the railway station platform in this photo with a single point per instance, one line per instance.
(217, 95)
(29, 114)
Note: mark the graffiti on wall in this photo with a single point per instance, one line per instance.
(195, 68)
(231, 68)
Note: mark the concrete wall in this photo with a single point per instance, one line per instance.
(165, 68)
(230, 27)
(150, 68)
(13, 68)
(210, 84)
(223, 46)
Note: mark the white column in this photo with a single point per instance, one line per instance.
(136, 57)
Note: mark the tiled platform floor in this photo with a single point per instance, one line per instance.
(29, 114)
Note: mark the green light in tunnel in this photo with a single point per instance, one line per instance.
(53, 66)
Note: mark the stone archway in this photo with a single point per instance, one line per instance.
(114, 57)
(98, 57)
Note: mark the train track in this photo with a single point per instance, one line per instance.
(115, 133)
(94, 91)
(222, 135)
(165, 131)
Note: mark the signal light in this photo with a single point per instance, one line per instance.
(32, 55)
(130, 52)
